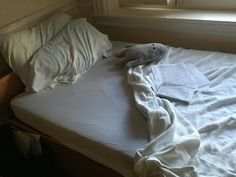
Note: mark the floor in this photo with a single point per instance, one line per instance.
(14, 164)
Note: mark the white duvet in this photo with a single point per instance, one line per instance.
(197, 140)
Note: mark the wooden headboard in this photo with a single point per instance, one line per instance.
(10, 86)
(26, 14)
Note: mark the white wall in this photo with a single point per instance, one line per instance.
(86, 10)
(23, 13)
(12, 10)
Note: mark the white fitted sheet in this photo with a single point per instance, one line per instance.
(98, 117)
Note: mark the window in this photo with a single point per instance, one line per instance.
(184, 4)
(152, 2)
(209, 4)
(159, 3)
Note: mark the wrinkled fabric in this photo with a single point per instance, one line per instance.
(70, 54)
(197, 140)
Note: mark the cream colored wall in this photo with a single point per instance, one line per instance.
(178, 39)
(19, 14)
(85, 10)
(13, 10)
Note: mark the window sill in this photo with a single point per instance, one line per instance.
(180, 14)
(221, 23)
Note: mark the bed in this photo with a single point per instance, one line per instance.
(104, 115)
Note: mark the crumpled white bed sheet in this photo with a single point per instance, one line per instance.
(197, 140)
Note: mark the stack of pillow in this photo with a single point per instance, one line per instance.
(56, 51)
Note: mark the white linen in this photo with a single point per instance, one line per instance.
(17, 48)
(70, 54)
(98, 118)
(192, 141)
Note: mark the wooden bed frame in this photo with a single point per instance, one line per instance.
(67, 161)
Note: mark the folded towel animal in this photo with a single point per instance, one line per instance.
(141, 54)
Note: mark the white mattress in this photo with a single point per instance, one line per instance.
(98, 117)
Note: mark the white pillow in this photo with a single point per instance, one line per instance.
(71, 53)
(17, 48)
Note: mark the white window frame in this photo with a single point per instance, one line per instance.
(208, 4)
(188, 4)
(141, 2)
(147, 3)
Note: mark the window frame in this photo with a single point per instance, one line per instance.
(225, 5)
(141, 2)
(145, 3)
(208, 4)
